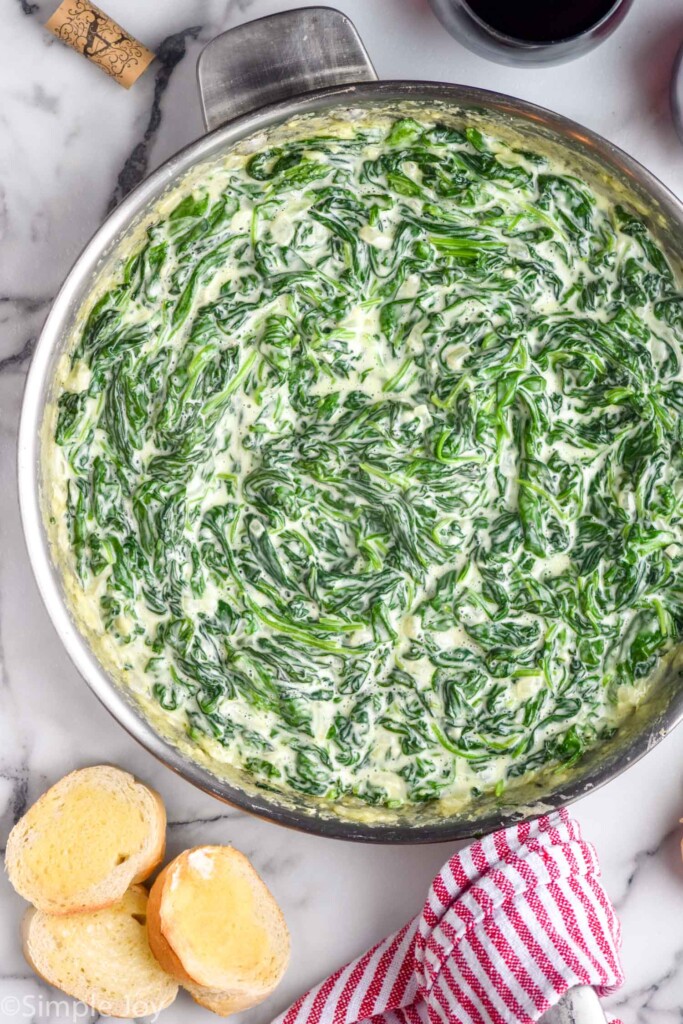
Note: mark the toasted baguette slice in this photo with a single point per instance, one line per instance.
(86, 840)
(224, 1003)
(101, 958)
(214, 926)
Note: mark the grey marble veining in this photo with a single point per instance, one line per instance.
(72, 143)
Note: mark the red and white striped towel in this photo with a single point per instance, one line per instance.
(509, 925)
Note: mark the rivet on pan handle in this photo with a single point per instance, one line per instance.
(277, 58)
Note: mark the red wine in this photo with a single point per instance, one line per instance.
(541, 21)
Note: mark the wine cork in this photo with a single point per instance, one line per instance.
(88, 30)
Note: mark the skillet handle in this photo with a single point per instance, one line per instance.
(277, 58)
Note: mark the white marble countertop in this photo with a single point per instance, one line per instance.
(71, 144)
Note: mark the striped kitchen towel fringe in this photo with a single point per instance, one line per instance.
(510, 923)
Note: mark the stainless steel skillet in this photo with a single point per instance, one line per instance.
(253, 79)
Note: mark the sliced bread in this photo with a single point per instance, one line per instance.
(86, 840)
(101, 958)
(214, 926)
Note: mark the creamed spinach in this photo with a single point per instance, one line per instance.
(370, 460)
